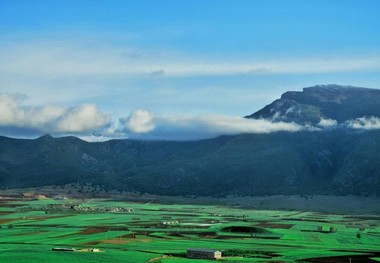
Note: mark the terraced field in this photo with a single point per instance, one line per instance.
(162, 233)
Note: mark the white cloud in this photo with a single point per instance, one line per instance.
(174, 127)
(140, 121)
(9, 111)
(39, 116)
(81, 118)
(327, 123)
(366, 123)
(49, 118)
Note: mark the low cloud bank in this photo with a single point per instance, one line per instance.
(144, 124)
(89, 123)
(193, 127)
(50, 118)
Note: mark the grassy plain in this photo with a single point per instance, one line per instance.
(162, 232)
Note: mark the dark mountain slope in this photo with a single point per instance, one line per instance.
(333, 162)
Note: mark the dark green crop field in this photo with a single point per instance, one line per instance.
(149, 232)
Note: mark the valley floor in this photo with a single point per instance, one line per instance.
(131, 231)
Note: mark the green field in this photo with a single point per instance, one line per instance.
(161, 233)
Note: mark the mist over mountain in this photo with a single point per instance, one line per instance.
(342, 160)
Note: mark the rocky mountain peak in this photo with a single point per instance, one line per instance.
(46, 137)
(340, 103)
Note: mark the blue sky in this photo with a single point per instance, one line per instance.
(100, 62)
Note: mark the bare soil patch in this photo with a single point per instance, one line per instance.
(4, 221)
(92, 230)
(116, 241)
(92, 243)
(119, 240)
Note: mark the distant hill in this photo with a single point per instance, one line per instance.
(337, 161)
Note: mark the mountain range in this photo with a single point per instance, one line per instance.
(339, 160)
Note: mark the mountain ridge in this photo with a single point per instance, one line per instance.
(338, 161)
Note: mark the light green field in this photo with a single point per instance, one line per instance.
(162, 233)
